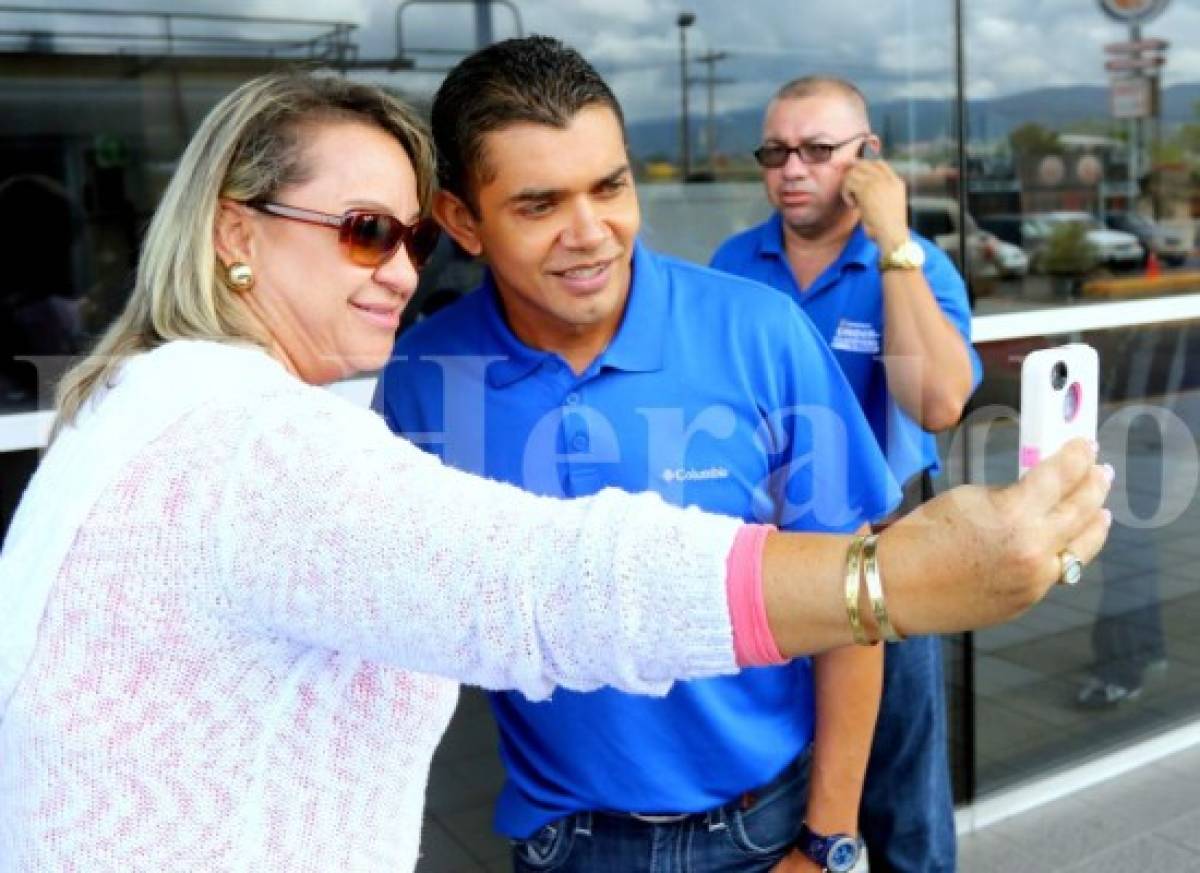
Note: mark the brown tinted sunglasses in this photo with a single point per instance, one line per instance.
(368, 237)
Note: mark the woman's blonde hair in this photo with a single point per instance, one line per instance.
(249, 147)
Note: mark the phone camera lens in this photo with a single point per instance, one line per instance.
(1058, 376)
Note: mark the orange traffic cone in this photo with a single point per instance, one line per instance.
(1153, 268)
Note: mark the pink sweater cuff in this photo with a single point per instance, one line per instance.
(753, 644)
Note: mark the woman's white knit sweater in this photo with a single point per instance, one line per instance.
(239, 662)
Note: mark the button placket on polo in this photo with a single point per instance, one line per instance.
(556, 381)
(581, 475)
(575, 428)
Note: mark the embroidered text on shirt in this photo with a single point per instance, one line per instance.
(856, 336)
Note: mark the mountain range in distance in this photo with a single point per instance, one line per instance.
(901, 122)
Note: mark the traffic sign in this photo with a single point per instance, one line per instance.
(1147, 62)
(1134, 46)
(1131, 98)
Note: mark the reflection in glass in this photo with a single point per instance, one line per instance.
(1097, 187)
(1114, 658)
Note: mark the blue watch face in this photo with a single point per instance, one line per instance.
(842, 856)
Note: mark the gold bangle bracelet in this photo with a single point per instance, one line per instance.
(875, 591)
(852, 590)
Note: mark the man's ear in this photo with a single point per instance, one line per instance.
(232, 235)
(457, 219)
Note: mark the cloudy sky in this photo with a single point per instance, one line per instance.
(893, 49)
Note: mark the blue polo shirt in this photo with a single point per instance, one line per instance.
(715, 391)
(846, 305)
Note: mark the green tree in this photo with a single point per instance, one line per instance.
(1033, 139)
(1067, 251)
(1188, 136)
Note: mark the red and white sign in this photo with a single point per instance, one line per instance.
(1131, 98)
(1133, 11)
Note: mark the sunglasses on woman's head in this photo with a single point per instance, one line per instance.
(369, 237)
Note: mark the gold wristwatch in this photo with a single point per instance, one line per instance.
(906, 256)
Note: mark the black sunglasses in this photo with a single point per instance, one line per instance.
(773, 155)
(368, 237)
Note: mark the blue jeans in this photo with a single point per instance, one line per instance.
(748, 835)
(907, 813)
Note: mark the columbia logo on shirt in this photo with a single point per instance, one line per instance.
(684, 474)
(856, 336)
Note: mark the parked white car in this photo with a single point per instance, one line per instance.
(1010, 260)
(936, 218)
(1170, 240)
(1114, 248)
(1174, 240)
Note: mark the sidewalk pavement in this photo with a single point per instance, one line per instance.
(1145, 820)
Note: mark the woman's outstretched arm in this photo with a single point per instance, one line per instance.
(970, 558)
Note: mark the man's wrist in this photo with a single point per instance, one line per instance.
(836, 852)
(907, 255)
(834, 815)
(890, 241)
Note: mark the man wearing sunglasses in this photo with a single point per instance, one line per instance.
(587, 361)
(895, 312)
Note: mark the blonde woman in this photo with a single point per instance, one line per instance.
(234, 609)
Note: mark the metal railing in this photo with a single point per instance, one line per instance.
(483, 24)
(71, 31)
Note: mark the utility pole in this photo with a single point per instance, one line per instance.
(1136, 83)
(1135, 141)
(683, 22)
(710, 60)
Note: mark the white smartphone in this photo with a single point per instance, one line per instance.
(1059, 400)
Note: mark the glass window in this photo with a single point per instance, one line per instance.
(1083, 156)
(930, 222)
(1065, 115)
(98, 104)
(1113, 659)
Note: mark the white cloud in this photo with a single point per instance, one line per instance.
(892, 48)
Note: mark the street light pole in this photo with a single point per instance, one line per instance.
(710, 60)
(684, 21)
(1135, 140)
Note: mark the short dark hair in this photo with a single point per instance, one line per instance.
(534, 79)
(820, 85)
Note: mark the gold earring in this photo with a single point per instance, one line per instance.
(241, 277)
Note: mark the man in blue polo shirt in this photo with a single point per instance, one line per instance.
(895, 312)
(586, 361)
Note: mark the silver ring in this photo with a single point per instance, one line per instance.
(1072, 568)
